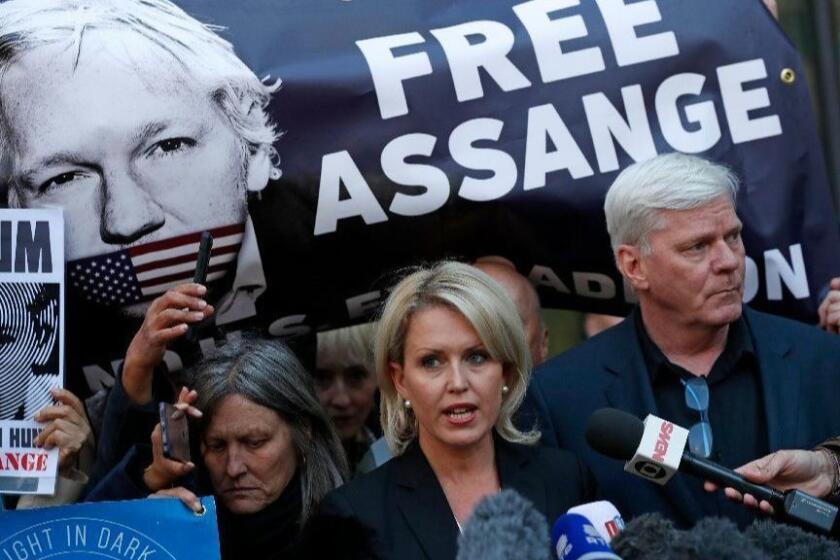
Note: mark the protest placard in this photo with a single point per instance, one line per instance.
(31, 343)
(130, 530)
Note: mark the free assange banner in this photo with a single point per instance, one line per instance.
(151, 529)
(342, 141)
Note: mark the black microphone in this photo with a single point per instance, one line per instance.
(618, 434)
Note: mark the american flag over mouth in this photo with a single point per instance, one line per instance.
(143, 272)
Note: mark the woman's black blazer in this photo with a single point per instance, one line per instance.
(404, 504)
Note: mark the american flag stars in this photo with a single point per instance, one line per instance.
(106, 279)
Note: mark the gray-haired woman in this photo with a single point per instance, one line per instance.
(268, 451)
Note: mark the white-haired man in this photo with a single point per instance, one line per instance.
(744, 383)
(143, 125)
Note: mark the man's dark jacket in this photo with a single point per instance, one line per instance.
(800, 379)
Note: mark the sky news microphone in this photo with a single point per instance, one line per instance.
(573, 537)
(655, 450)
(603, 516)
(504, 526)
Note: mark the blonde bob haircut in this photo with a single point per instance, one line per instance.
(486, 306)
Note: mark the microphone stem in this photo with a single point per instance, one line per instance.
(708, 470)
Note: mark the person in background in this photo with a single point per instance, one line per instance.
(829, 310)
(143, 381)
(594, 323)
(268, 451)
(346, 386)
(527, 302)
(65, 426)
(452, 363)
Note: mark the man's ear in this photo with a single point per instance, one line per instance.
(259, 170)
(628, 259)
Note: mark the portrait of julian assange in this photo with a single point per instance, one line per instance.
(144, 126)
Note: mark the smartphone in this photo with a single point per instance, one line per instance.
(203, 263)
(200, 276)
(175, 433)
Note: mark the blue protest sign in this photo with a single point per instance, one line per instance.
(148, 529)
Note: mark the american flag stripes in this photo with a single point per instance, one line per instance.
(143, 272)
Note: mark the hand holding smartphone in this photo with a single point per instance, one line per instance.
(200, 276)
(203, 262)
(175, 433)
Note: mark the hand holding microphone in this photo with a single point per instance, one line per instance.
(813, 472)
(655, 450)
(506, 525)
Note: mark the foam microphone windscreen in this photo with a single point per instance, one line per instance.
(647, 537)
(716, 538)
(504, 526)
(651, 537)
(614, 433)
(786, 542)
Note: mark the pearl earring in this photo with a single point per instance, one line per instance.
(505, 389)
(407, 404)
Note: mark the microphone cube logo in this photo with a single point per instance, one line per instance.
(593, 536)
(660, 450)
(650, 470)
(563, 548)
(614, 526)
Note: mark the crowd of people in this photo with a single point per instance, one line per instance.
(444, 379)
(405, 424)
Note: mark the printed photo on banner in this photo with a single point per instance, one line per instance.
(138, 182)
(31, 343)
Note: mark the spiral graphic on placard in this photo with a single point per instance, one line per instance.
(29, 352)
